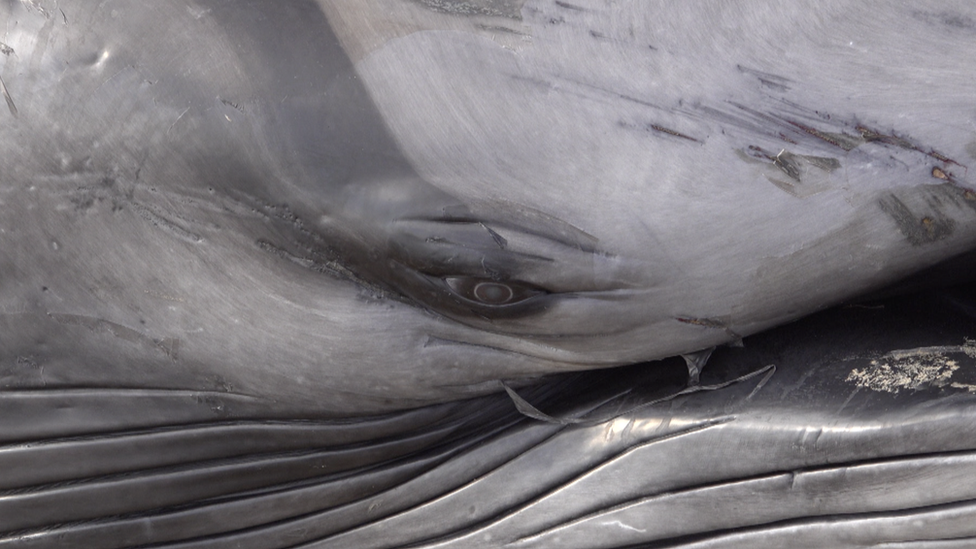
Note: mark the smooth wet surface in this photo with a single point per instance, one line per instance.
(862, 435)
(254, 255)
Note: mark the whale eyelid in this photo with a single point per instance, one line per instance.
(583, 241)
(469, 288)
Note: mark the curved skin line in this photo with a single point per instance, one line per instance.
(801, 533)
(422, 465)
(176, 178)
(94, 392)
(918, 463)
(473, 530)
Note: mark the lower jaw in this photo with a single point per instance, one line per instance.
(861, 436)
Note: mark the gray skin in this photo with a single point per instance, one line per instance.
(234, 231)
(236, 198)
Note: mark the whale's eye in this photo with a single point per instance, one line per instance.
(490, 292)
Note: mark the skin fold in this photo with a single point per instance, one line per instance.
(267, 268)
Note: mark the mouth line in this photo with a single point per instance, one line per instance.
(569, 358)
(40, 392)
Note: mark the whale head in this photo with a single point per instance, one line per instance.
(328, 209)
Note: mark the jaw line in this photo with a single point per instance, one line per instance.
(552, 355)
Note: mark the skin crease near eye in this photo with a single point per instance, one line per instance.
(489, 292)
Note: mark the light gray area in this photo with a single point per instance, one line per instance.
(498, 8)
(255, 257)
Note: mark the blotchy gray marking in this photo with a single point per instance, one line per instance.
(568, 6)
(499, 28)
(954, 21)
(511, 9)
(658, 129)
(5, 49)
(842, 140)
(796, 165)
(6, 96)
(232, 104)
(328, 267)
(669, 131)
(971, 150)
(918, 230)
(874, 136)
(809, 174)
(960, 196)
(167, 225)
(168, 345)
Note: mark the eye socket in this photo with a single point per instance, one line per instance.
(489, 292)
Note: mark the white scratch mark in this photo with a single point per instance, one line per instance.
(186, 110)
(619, 524)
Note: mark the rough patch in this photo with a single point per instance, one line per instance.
(912, 369)
(918, 229)
(807, 175)
(511, 9)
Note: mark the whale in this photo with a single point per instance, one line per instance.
(413, 273)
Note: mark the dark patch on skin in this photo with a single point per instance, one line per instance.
(918, 229)
(794, 165)
(842, 140)
(10, 101)
(782, 127)
(499, 28)
(657, 128)
(511, 9)
(783, 185)
(768, 80)
(316, 263)
(808, 174)
(754, 153)
(85, 197)
(950, 20)
(669, 131)
(971, 150)
(5, 49)
(788, 163)
(956, 195)
(499, 239)
(232, 104)
(703, 322)
(873, 136)
(568, 6)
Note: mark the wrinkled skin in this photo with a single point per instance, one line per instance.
(243, 241)
(347, 209)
